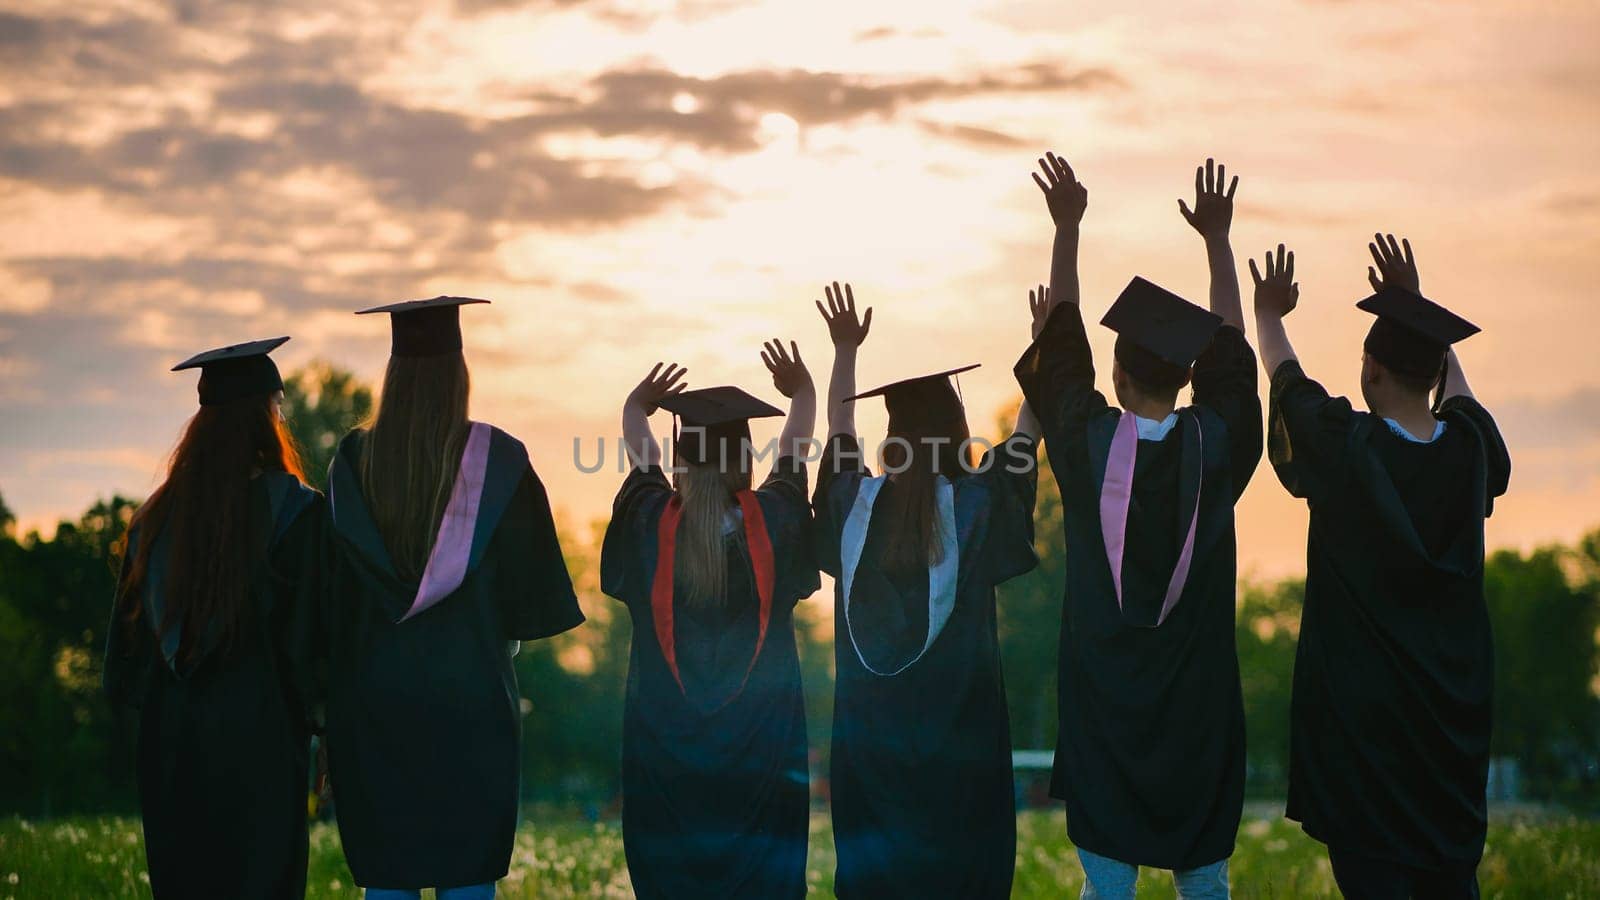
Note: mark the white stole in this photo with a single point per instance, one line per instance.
(941, 575)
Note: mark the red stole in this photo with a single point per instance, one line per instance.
(760, 544)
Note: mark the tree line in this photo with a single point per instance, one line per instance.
(63, 749)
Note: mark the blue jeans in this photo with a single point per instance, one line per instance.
(1108, 879)
(470, 892)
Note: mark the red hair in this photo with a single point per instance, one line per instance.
(203, 508)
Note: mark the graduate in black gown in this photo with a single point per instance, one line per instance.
(446, 557)
(715, 786)
(1150, 755)
(922, 794)
(208, 637)
(1394, 674)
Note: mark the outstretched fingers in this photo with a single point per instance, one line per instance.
(1051, 179)
(672, 376)
(1063, 170)
(1380, 252)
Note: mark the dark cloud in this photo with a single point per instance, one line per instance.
(64, 51)
(1575, 203)
(293, 180)
(972, 134)
(618, 15)
(727, 109)
(886, 32)
(1567, 420)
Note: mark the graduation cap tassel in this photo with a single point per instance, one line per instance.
(672, 460)
(1444, 376)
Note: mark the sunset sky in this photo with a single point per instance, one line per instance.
(634, 180)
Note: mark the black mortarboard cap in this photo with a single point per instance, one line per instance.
(1412, 333)
(716, 420)
(919, 403)
(1170, 329)
(424, 327)
(236, 371)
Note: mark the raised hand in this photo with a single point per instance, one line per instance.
(789, 373)
(1213, 209)
(1276, 293)
(658, 384)
(843, 327)
(1063, 194)
(1394, 269)
(1040, 305)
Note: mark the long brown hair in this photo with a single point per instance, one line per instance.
(203, 507)
(700, 573)
(411, 453)
(937, 434)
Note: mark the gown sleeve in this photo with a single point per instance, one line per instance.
(635, 514)
(1498, 457)
(1011, 472)
(1225, 383)
(839, 476)
(1056, 374)
(534, 589)
(301, 566)
(1307, 433)
(788, 515)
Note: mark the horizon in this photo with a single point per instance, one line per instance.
(632, 181)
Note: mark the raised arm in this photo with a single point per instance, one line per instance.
(636, 437)
(793, 380)
(1395, 266)
(847, 333)
(1276, 297)
(1212, 216)
(1455, 379)
(1039, 307)
(1067, 199)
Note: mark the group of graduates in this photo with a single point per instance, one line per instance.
(252, 611)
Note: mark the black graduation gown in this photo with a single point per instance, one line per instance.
(423, 720)
(922, 792)
(223, 738)
(715, 791)
(1150, 752)
(1394, 674)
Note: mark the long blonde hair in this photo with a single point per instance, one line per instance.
(411, 453)
(700, 574)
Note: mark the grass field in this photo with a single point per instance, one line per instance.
(1527, 857)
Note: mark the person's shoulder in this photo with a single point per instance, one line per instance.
(504, 441)
(290, 486)
(1288, 373)
(350, 445)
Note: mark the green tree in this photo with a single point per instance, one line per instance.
(62, 749)
(322, 403)
(1545, 608)
(1029, 624)
(1266, 632)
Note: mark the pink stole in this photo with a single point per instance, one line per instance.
(452, 546)
(1116, 495)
